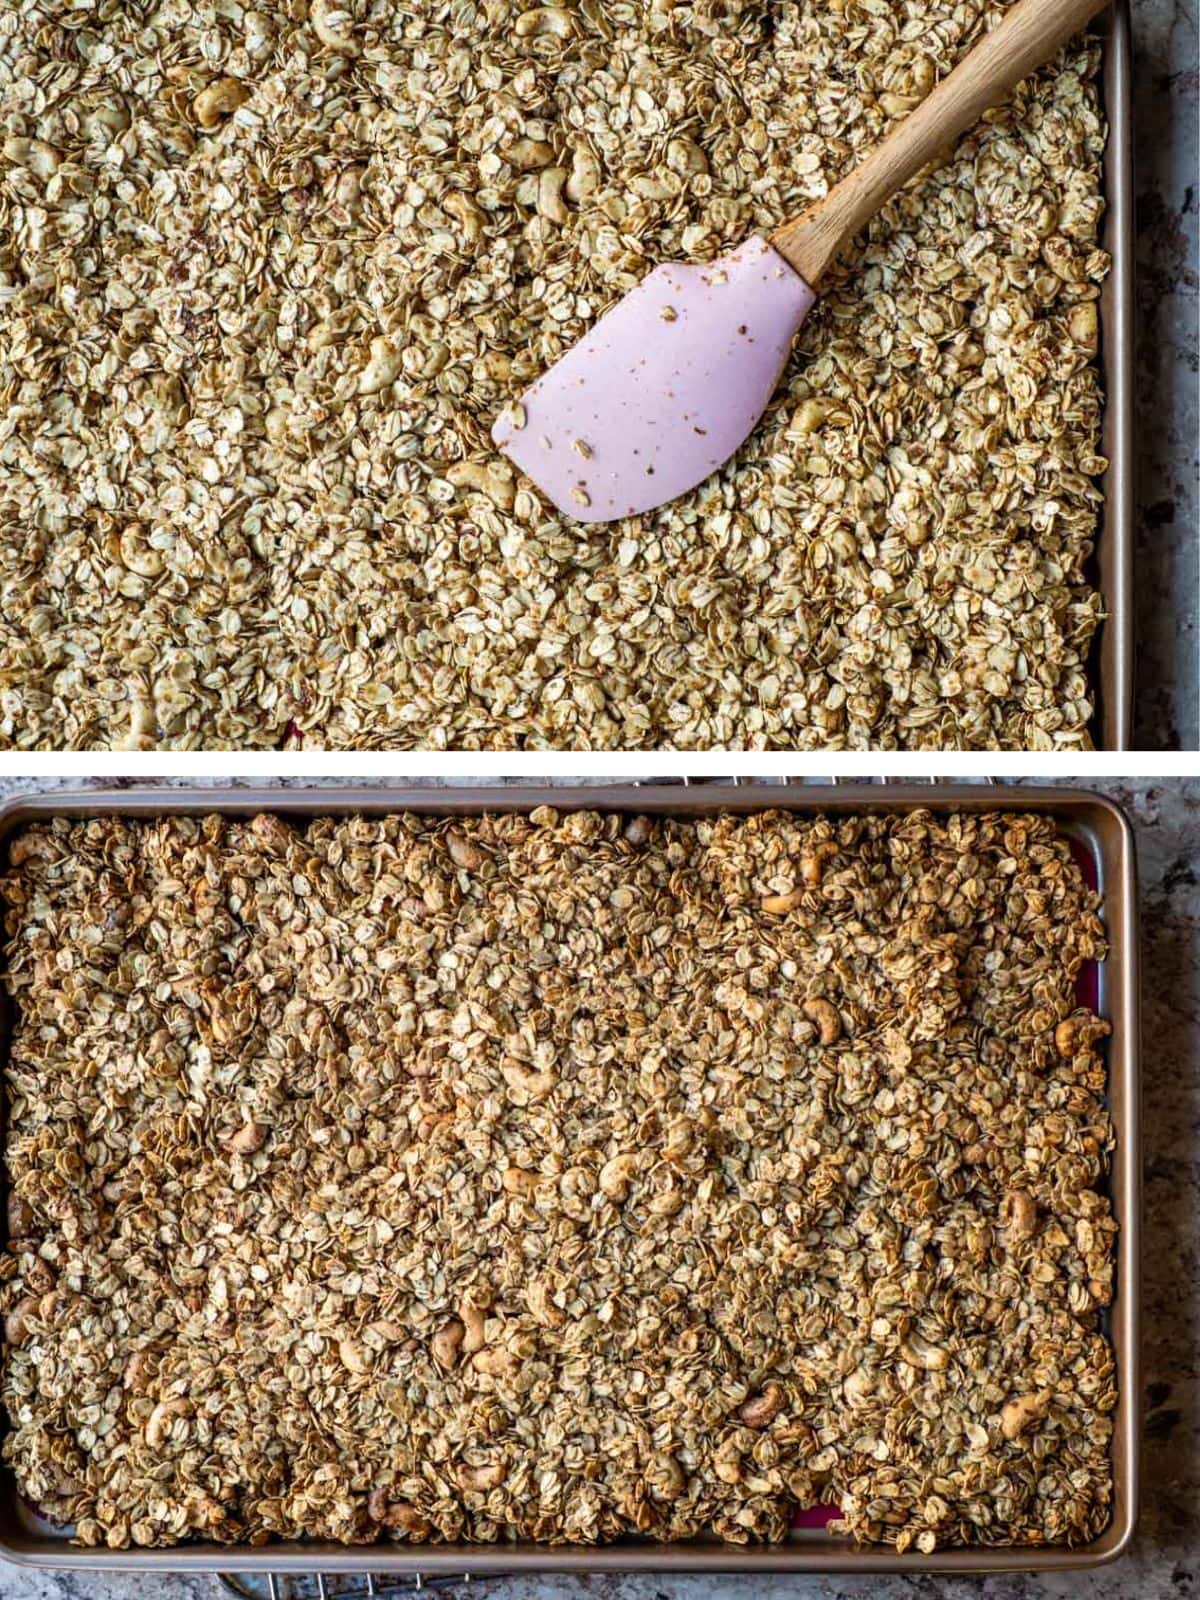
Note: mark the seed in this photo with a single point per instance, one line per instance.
(669, 314)
(582, 448)
(580, 496)
(517, 415)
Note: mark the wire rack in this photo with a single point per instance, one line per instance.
(357, 1586)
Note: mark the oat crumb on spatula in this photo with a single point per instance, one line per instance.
(269, 274)
(556, 1177)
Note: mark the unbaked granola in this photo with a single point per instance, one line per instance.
(268, 275)
(556, 1176)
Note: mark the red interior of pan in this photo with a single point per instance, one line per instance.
(1087, 993)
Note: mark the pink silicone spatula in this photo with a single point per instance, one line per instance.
(674, 378)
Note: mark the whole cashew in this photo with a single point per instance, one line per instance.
(491, 480)
(219, 100)
(474, 1321)
(585, 176)
(382, 369)
(1022, 1412)
(762, 1408)
(355, 1356)
(812, 862)
(41, 158)
(331, 24)
(918, 1352)
(542, 1307)
(616, 1175)
(19, 1217)
(477, 1479)
(778, 905)
(495, 1362)
(533, 1085)
(251, 1136)
(727, 1462)
(158, 1424)
(16, 1323)
(1020, 1214)
(543, 20)
(518, 1181)
(551, 181)
(529, 154)
(824, 1017)
(446, 1344)
(463, 852)
(467, 214)
(396, 1514)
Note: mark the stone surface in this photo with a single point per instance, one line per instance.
(1167, 569)
(1165, 1560)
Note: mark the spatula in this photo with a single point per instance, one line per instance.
(671, 381)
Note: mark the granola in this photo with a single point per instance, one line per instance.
(267, 276)
(557, 1177)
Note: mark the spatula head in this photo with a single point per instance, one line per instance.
(663, 390)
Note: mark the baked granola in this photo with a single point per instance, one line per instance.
(267, 276)
(556, 1176)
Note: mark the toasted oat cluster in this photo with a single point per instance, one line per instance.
(556, 1177)
(268, 275)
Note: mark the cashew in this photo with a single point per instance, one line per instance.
(32, 847)
(1068, 1035)
(355, 1356)
(812, 862)
(666, 1477)
(686, 157)
(585, 176)
(518, 1181)
(158, 1424)
(824, 1017)
(809, 415)
(529, 154)
(19, 1216)
(474, 1480)
(761, 1408)
(648, 187)
(219, 100)
(467, 214)
(858, 1385)
(382, 369)
(16, 1323)
(143, 724)
(138, 556)
(898, 105)
(1083, 325)
(918, 1352)
(1020, 1214)
(493, 480)
(271, 830)
(1023, 1412)
(331, 24)
(462, 852)
(446, 1344)
(543, 20)
(638, 830)
(727, 1462)
(41, 158)
(542, 1307)
(250, 1137)
(396, 1514)
(778, 905)
(533, 1085)
(494, 1362)
(136, 1375)
(474, 1320)
(550, 195)
(617, 1173)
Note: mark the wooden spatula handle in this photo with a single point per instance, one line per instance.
(1029, 35)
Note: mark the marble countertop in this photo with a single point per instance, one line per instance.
(1165, 1560)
